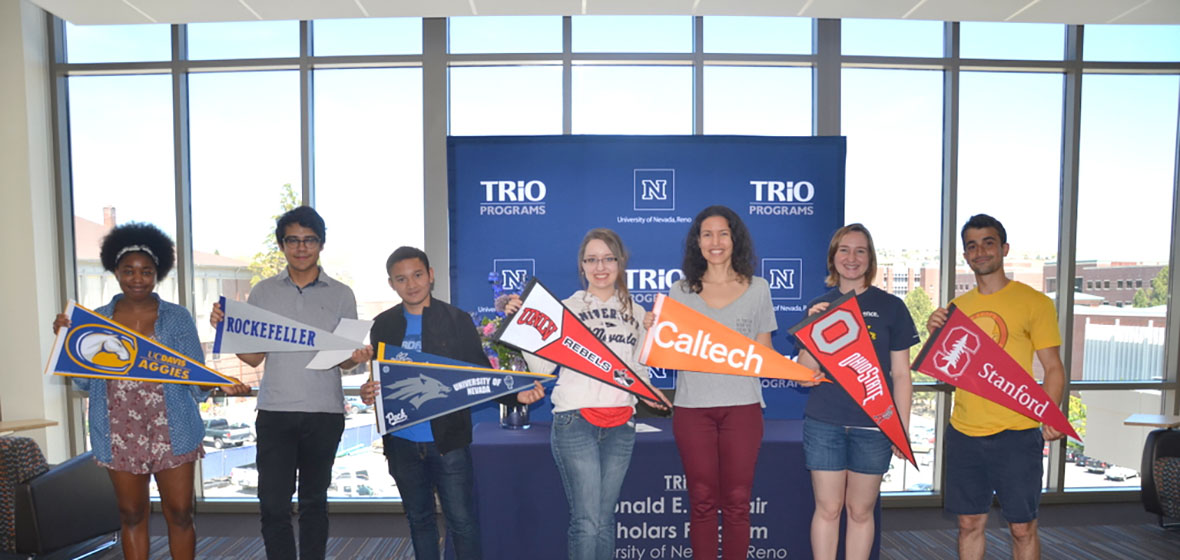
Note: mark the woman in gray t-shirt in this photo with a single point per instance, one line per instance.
(718, 418)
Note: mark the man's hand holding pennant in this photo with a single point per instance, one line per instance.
(962, 354)
(97, 347)
(683, 339)
(416, 387)
(839, 340)
(543, 326)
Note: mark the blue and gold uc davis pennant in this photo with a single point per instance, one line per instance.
(95, 346)
(417, 387)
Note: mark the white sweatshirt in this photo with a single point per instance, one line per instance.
(622, 334)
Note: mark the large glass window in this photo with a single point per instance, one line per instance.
(352, 37)
(757, 35)
(757, 100)
(504, 34)
(612, 34)
(632, 100)
(891, 37)
(122, 168)
(118, 43)
(1012, 41)
(1128, 137)
(1132, 43)
(1010, 166)
(505, 100)
(248, 39)
(893, 122)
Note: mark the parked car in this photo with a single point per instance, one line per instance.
(354, 405)
(920, 487)
(220, 433)
(1120, 474)
(349, 482)
(245, 476)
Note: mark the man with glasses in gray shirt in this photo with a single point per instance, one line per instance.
(300, 411)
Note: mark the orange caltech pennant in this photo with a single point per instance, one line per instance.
(683, 339)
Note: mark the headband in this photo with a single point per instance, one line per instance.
(141, 248)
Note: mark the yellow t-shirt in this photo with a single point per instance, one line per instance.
(1022, 321)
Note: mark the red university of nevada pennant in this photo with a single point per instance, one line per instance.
(962, 354)
(543, 326)
(840, 342)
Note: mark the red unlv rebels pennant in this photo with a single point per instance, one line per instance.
(840, 342)
(543, 326)
(962, 354)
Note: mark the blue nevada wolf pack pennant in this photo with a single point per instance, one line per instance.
(417, 387)
(97, 347)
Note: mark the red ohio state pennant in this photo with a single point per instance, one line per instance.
(543, 326)
(840, 342)
(962, 354)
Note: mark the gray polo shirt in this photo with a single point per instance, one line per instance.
(751, 314)
(288, 386)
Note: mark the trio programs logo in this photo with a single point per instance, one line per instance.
(525, 197)
(644, 284)
(782, 198)
(102, 349)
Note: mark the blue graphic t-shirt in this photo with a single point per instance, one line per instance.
(419, 433)
(891, 328)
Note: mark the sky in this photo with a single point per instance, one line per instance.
(368, 144)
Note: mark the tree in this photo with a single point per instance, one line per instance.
(270, 260)
(920, 306)
(1155, 295)
(1077, 415)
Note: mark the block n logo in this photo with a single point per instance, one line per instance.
(655, 189)
(785, 276)
(513, 274)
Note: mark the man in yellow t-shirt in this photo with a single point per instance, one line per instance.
(990, 449)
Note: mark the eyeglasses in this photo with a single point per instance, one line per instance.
(310, 242)
(606, 261)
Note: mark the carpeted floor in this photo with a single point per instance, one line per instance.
(1096, 542)
(1099, 542)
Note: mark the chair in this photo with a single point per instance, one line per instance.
(68, 511)
(1160, 470)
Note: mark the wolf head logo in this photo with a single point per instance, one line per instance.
(417, 390)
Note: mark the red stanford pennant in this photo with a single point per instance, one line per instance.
(543, 326)
(840, 342)
(962, 354)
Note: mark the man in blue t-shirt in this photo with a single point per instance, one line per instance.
(433, 456)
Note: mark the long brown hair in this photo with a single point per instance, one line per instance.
(615, 244)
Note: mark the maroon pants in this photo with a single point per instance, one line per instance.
(719, 448)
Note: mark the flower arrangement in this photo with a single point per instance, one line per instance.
(501, 357)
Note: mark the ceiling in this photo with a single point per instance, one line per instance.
(85, 12)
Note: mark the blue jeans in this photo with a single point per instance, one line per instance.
(419, 470)
(592, 462)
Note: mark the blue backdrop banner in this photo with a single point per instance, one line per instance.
(519, 207)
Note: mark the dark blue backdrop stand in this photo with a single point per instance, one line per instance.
(520, 205)
(524, 514)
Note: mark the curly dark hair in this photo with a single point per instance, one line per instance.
(742, 259)
(980, 221)
(137, 233)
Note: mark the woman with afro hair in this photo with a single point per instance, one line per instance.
(139, 429)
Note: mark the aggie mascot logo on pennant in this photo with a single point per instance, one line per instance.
(101, 348)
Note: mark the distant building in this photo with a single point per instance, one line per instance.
(1116, 282)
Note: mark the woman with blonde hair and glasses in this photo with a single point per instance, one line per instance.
(593, 426)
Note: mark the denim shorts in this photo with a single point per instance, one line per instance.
(828, 447)
(1007, 464)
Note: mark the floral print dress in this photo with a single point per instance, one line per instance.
(140, 443)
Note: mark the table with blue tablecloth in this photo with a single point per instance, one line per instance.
(523, 512)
